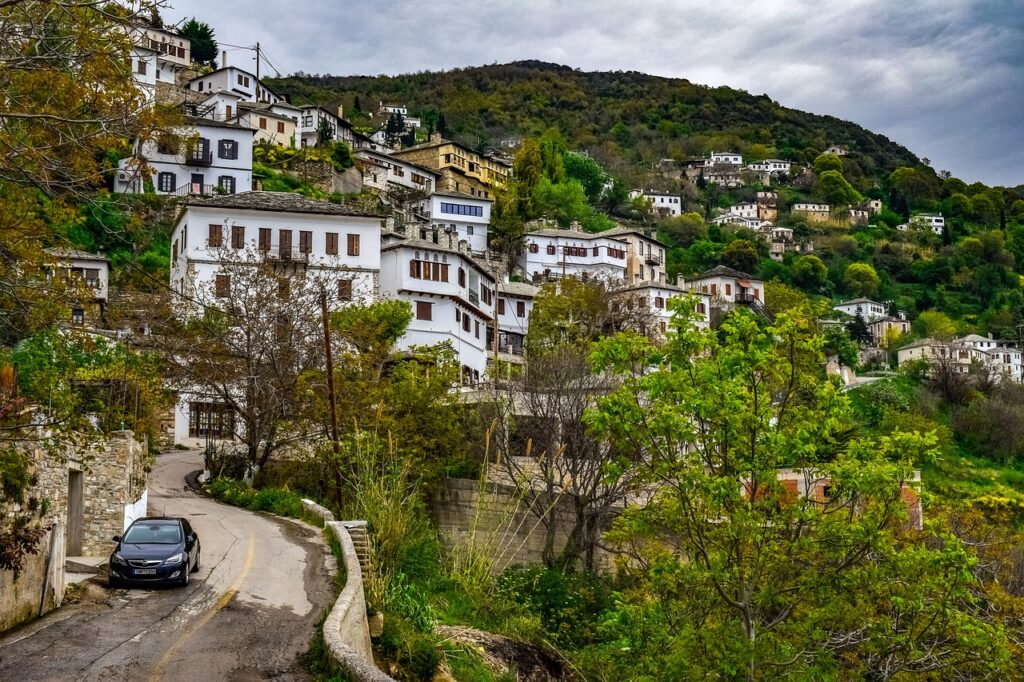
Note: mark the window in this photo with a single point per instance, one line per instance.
(142, 68)
(520, 308)
(238, 237)
(462, 209)
(227, 183)
(465, 322)
(305, 241)
(222, 286)
(77, 316)
(469, 230)
(165, 182)
(216, 238)
(462, 277)
(533, 248)
(264, 239)
(332, 243)
(353, 244)
(424, 310)
(597, 251)
(210, 419)
(280, 126)
(345, 289)
(228, 111)
(227, 149)
(240, 79)
(284, 288)
(476, 328)
(486, 295)
(501, 306)
(174, 252)
(550, 249)
(659, 302)
(263, 123)
(728, 289)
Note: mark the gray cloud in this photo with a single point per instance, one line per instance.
(943, 77)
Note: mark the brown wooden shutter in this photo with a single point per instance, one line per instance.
(414, 269)
(332, 243)
(345, 289)
(216, 238)
(501, 306)
(305, 241)
(444, 272)
(520, 309)
(423, 310)
(238, 237)
(462, 277)
(222, 284)
(353, 244)
(285, 243)
(264, 239)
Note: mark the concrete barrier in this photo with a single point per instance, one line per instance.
(346, 631)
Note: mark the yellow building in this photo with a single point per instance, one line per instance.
(274, 123)
(461, 169)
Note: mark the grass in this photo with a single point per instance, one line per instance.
(279, 501)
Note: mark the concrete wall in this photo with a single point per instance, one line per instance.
(346, 630)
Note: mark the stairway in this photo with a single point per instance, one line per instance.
(361, 540)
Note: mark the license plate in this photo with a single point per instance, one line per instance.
(145, 571)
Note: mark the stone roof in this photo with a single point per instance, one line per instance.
(458, 195)
(77, 254)
(210, 123)
(855, 301)
(621, 231)
(569, 234)
(650, 284)
(284, 202)
(521, 289)
(723, 271)
(920, 343)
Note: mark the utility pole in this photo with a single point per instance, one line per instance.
(497, 296)
(257, 71)
(335, 466)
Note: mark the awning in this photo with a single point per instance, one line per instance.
(744, 283)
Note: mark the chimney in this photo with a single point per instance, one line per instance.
(223, 58)
(680, 282)
(435, 137)
(341, 111)
(990, 335)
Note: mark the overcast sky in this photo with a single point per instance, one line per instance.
(945, 78)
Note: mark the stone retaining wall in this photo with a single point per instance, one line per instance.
(346, 630)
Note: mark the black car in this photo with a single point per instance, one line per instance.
(157, 550)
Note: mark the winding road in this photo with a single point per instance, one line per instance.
(248, 614)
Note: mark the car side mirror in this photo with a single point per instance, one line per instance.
(117, 538)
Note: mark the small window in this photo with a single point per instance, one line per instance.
(222, 286)
(501, 306)
(226, 183)
(551, 249)
(142, 68)
(238, 237)
(462, 277)
(520, 308)
(424, 310)
(345, 289)
(533, 248)
(263, 123)
(77, 316)
(332, 243)
(264, 239)
(280, 126)
(216, 237)
(165, 182)
(227, 149)
(305, 241)
(353, 244)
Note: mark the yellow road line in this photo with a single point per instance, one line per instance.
(221, 603)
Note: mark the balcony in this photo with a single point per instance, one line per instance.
(653, 259)
(285, 254)
(197, 157)
(474, 297)
(196, 188)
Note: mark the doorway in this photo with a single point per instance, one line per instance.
(76, 513)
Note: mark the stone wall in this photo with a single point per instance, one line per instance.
(22, 592)
(346, 629)
(496, 522)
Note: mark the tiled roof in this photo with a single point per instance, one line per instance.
(285, 202)
(723, 271)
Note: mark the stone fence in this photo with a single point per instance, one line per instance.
(346, 630)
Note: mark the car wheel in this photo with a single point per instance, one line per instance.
(184, 575)
(199, 556)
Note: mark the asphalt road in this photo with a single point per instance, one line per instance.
(248, 614)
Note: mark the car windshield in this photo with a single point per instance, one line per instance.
(153, 534)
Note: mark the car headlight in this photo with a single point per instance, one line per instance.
(118, 559)
(174, 560)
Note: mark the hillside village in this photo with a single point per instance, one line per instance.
(507, 311)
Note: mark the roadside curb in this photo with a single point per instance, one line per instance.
(346, 630)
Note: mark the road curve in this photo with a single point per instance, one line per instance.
(248, 614)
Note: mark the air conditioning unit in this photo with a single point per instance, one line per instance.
(122, 176)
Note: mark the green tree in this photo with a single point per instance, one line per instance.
(742, 255)
(833, 188)
(779, 297)
(914, 187)
(840, 343)
(587, 172)
(810, 272)
(828, 162)
(935, 324)
(684, 229)
(394, 128)
(747, 569)
(861, 279)
(857, 329)
(201, 37)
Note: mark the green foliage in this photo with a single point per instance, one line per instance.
(741, 255)
(839, 344)
(833, 189)
(828, 162)
(935, 324)
(204, 43)
(278, 501)
(587, 172)
(569, 605)
(809, 272)
(860, 279)
(684, 229)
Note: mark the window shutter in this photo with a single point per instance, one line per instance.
(501, 306)
(353, 244)
(222, 284)
(345, 289)
(305, 241)
(264, 239)
(413, 269)
(216, 237)
(462, 277)
(238, 237)
(520, 308)
(332, 243)
(444, 272)
(423, 310)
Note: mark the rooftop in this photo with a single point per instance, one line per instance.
(569, 234)
(211, 123)
(459, 195)
(61, 252)
(723, 271)
(521, 289)
(858, 301)
(284, 202)
(621, 231)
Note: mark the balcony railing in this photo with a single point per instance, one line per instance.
(196, 188)
(474, 297)
(745, 298)
(198, 158)
(285, 254)
(653, 259)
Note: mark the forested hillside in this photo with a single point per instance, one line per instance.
(621, 117)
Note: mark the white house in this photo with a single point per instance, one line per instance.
(729, 218)
(554, 253)
(770, 166)
(173, 52)
(724, 159)
(90, 272)
(386, 110)
(925, 221)
(464, 215)
(312, 117)
(727, 288)
(661, 203)
(836, 149)
(865, 307)
(515, 303)
(336, 244)
(274, 124)
(654, 297)
(199, 158)
(381, 171)
(452, 297)
(144, 68)
(1002, 358)
(236, 80)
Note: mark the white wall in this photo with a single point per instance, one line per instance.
(602, 266)
(470, 228)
